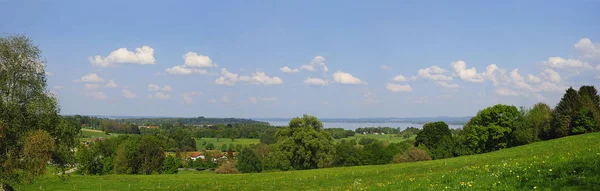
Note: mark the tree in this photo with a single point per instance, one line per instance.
(562, 116)
(248, 161)
(305, 144)
(432, 135)
(223, 147)
(210, 146)
(127, 159)
(27, 109)
(347, 154)
(491, 129)
(170, 165)
(151, 154)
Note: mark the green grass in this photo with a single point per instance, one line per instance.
(93, 133)
(226, 141)
(571, 163)
(390, 138)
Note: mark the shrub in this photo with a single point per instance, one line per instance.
(412, 155)
(228, 167)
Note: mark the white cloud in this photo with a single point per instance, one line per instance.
(470, 75)
(92, 86)
(519, 81)
(188, 97)
(182, 70)
(289, 70)
(269, 98)
(111, 84)
(153, 87)
(398, 87)
(401, 78)
(505, 92)
(161, 95)
(315, 82)
(561, 63)
(166, 88)
(143, 55)
(446, 84)
(252, 99)
(385, 67)
(192, 59)
(95, 95)
(128, 93)
(260, 78)
(551, 75)
(307, 67)
(533, 79)
(434, 73)
(588, 48)
(346, 78)
(91, 78)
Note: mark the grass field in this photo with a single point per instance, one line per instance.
(222, 141)
(92, 133)
(571, 163)
(389, 138)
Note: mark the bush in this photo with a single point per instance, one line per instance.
(210, 146)
(170, 165)
(412, 155)
(228, 167)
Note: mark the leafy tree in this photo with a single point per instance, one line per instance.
(366, 141)
(127, 159)
(583, 122)
(210, 146)
(27, 109)
(223, 147)
(170, 165)
(37, 150)
(305, 144)
(432, 135)
(562, 116)
(151, 154)
(248, 161)
(347, 154)
(491, 129)
(268, 137)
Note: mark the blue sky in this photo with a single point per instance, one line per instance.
(343, 58)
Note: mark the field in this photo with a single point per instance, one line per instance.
(571, 163)
(388, 138)
(222, 141)
(92, 133)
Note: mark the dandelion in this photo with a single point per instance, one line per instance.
(534, 187)
(550, 170)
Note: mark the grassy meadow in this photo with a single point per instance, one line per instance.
(391, 138)
(570, 163)
(222, 141)
(93, 133)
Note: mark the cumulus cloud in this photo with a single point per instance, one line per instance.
(128, 93)
(503, 91)
(561, 63)
(143, 55)
(182, 70)
(153, 87)
(466, 74)
(91, 78)
(260, 78)
(315, 82)
(533, 79)
(252, 100)
(551, 75)
(161, 95)
(346, 78)
(95, 95)
(192, 59)
(385, 67)
(446, 85)
(317, 61)
(111, 84)
(588, 48)
(519, 81)
(188, 97)
(434, 73)
(289, 70)
(401, 78)
(398, 87)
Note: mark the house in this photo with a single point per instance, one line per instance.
(376, 133)
(196, 155)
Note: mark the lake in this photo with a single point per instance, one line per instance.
(354, 125)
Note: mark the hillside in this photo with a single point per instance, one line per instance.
(571, 163)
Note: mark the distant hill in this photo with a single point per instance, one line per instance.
(415, 120)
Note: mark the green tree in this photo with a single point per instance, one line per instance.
(27, 107)
(432, 135)
(127, 159)
(248, 161)
(210, 146)
(491, 129)
(151, 154)
(347, 154)
(562, 116)
(223, 147)
(305, 144)
(170, 165)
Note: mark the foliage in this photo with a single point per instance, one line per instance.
(338, 133)
(491, 128)
(414, 154)
(227, 167)
(432, 135)
(347, 154)
(305, 144)
(151, 154)
(248, 161)
(210, 146)
(28, 109)
(170, 165)
(37, 150)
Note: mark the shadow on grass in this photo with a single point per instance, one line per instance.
(578, 174)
